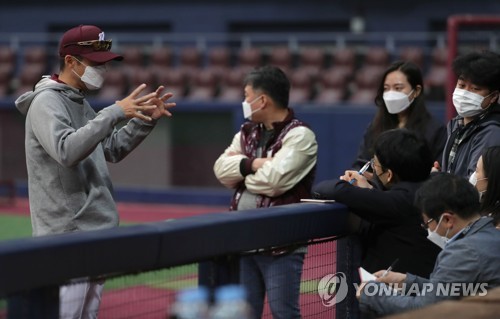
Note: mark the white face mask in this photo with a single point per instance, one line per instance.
(247, 108)
(396, 102)
(466, 103)
(437, 239)
(473, 180)
(93, 76)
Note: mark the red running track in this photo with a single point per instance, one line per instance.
(133, 212)
(123, 303)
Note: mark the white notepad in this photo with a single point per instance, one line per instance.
(365, 275)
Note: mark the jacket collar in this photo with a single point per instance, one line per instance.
(473, 228)
(278, 126)
(491, 115)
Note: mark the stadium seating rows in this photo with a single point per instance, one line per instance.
(318, 74)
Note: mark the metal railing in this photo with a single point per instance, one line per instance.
(390, 40)
(153, 246)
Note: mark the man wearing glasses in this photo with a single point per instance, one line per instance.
(391, 224)
(68, 144)
(470, 259)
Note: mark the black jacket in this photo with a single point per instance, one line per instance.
(395, 230)
(434, 135)
(478, 135)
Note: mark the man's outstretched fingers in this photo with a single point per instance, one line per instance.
(166, 96)
(137, 90)
(145, 98)
(142, 116)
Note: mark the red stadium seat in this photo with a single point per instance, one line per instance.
(436, 77)
(231, 86)
(190, 63)
(329, 96)
(435, 82)
(363, 96)
(439, 56)
(204, 86)
(335, 77)
(332, 87)
(302, 87)
(7, 59)
(174, 81)
(219, 61)
(249, 58)
(377, 56)
(115, 86)
(190, 57)
(133, 56)
(143, 76)
(345, 57)
(29, 76)
(413, 54)
(5, 77)
(281, 57)
(35, 55)
(161, 57)
(312, 60)
(369, 77)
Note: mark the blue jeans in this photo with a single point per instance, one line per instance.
(279, 277)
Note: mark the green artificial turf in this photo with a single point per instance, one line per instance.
(171, 278)
(14, 226)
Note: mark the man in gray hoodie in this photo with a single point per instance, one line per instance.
(68, 144)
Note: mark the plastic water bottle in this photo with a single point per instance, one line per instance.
(190, 303)
(230, 303)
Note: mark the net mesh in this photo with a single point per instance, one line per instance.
(149, 295)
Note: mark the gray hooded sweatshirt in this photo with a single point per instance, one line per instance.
(67, 146)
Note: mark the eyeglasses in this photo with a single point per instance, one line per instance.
(426, 224)
(372, 164)
(97, 45)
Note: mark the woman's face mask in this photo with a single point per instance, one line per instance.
(473, 180)
(468, 104)
(396, 102)
(93, 76)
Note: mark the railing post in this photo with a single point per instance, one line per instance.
(348, 261)
(219, 271)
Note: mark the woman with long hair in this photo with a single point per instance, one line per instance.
(401, 104)
(486, 179)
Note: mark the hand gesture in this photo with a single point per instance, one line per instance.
(436, 167)
(392, 278)
(359, 180)
(161, 106)
(135, 106)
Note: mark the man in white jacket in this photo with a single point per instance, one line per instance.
(271, 161)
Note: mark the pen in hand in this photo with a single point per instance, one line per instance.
(361, 171)
(390, 268)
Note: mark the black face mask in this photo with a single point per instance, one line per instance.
(377, 183)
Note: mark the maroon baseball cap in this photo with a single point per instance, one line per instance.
(87, 41)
